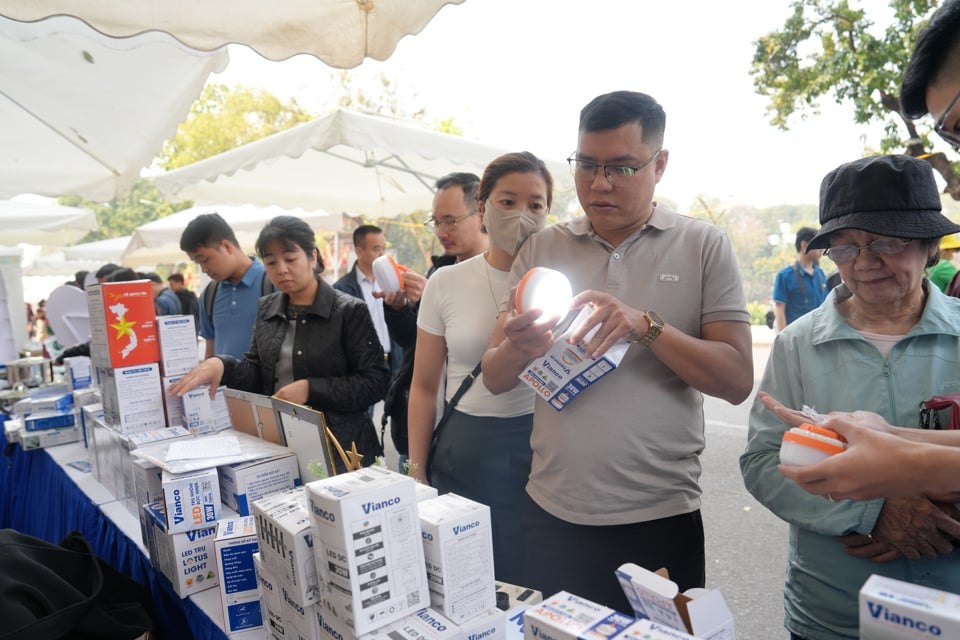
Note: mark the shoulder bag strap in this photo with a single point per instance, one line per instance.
(800, 285)
(448, 408)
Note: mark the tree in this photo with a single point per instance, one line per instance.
(830, 48)
(141, 204)
(225, 117)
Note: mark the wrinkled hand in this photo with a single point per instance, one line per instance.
(210, 372)
(913, 527)
(297, 392)
(612, 319)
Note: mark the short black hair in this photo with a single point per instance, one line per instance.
(124, 274)
(804, 234)
(468, 182)
(207, 230)
(153, 277)
(289, 231)
(936, 44)
(106, 270)
(361, 232)
(175, 277)
(613, 110)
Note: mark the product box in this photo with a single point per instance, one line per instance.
(514, 617)
(53, 403)
(513, 595)
(173, 405)
(650, 630)
(458, 550)
(190, 500)
(244, 483)
(126, 444)
(84, 399)
(131, 398)
(564, 616)
(179, 352)
(299, 620)
(148, 488)
(564, 372)
(425, 492)
(892, 609)
(368, 548)
(488, 625)
(123, 330)
(78, 371)
(11, 430)
(286, 543)
(186, 559)
(203, 415)
(48, 437)
(40, 420)
(701, 612)
(270, 599)
(234, 546)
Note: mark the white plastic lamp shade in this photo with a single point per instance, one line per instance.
(546, 289)
(68, 315)
(388, 274)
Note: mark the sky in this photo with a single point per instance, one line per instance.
(515, 74)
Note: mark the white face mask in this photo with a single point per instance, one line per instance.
(508, 229)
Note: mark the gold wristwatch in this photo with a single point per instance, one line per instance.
(656, 328)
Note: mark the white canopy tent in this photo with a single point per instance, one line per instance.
(345, 162)
(158, 242)
(339, 32)
(83, 113)
(43, 224)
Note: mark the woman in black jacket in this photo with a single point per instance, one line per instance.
(311, 344)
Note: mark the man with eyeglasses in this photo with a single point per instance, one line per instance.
(615, 474)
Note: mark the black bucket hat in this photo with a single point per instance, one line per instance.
(892, 195)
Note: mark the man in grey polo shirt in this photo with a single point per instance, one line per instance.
(615, 474)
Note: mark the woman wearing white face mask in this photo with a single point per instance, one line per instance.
(484, 450)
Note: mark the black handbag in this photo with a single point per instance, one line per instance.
(448, 408)
(53, 591)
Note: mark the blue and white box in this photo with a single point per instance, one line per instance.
(270, 599)
(896, 610)
(201, 414)
(565, 616)
(234, 546)
(179, 352)
(191, 500)
(286, 543)
(244, 483)
(79, 372)
(186, 559)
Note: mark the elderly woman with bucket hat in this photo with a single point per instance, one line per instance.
(885, 340)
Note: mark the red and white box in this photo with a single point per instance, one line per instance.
(123, 324)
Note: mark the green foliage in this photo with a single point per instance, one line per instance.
(121, 216)
(225, 117)
(758, 312)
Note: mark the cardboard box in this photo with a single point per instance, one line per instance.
(129, 442)
(458, 551)
(368, 548)
(244, 483)
(892, 609)
(234, 546)
(40, 420)
(650, 630)
(78, 371)
(148, 488)
(565, 616)
(425, 492)
(123, 330)
(299, 619)
(172, 405)
(203, 415)
(190, 500)
(270, 599)
(186, 559)
(514, 625)
(179, 351)
(48, 437)
(54, 403)
(566, 371)
(132, 400)
(701, 612)
(86, 401)
(515, 595)
(286, 543)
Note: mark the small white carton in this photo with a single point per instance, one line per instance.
(566, 370)
(244, 483)
(513, 595)
(234, 546)
(368, 548)
(701, 612)
(299, 620)
(203, 415)
(514, 618)
(270, 599)
(48, 437)
(191, 500)
(173, 405)
(41, 420)
(82, 399)
(186, 559)
(178, 345)
(79, 372)
(650, 630)
(458, 550)
(894, 610)
(488, 625)
(286, 542)
(131, 398)
(130, 442)
(425, 492)
(565, 616)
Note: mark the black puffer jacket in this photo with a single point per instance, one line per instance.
(336, 348)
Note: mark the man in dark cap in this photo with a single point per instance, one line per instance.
(886, 339)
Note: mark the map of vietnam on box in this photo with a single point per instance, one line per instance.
(123, 324)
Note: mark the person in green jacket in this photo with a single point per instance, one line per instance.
(942, 273)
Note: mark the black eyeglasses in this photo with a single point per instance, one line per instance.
(432, 224)
(586, 170)
(841, 253)
(950, 136)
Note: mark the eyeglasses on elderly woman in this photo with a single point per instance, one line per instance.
(887, 247)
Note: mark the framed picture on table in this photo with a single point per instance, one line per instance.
(305, 431)
(254, 414)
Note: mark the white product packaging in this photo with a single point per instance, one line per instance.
(286, 543)
(368, 546)
(203, 415)
(48, 437)
(299, 619)
(132, 400)
(425, 492)
(127, 490)
(458, 550)
(650, 630)
(90, 415)
(514, 595)
(191, 500)
(244, 483)
(270, 599)
(79, 372)
(564, 616)
(42, 420)
(186, 559)
(178, 345)
(172, 405)
(896, 610)
(234, 546)
(514, 618)
(82, 399)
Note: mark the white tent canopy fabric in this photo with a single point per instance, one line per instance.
(83, 113)
(158, 242)
(345, 161)
(108, 250)
(339, 32)
(46, 224)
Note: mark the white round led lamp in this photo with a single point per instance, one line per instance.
(546, 289)
(388, 274)
(809, 444)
